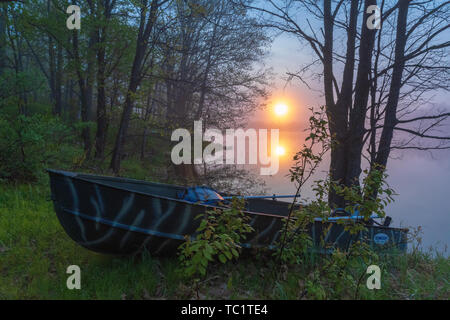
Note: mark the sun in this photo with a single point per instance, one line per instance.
(280, 109)
(280, 151)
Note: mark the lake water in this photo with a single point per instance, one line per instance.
(423, 187)
(422, 181)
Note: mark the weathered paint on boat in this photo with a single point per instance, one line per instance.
(123, 216)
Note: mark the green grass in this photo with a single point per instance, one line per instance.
(35, 253)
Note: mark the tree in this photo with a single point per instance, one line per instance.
(366, 81)
(147, 19)
(103, 14)
(2, 38)
(136, 69)
(211, 75)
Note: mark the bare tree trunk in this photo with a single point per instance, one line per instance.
(58, 80)
(145, 29)
(337, 123)
(183, 94)
(83, 96)
(102, 120)
(151, 102)
(2, 38)
(54, 69)
(90, 76)
(206, 72)
(356, 128)
(100, 141)
(338, 116)
(20, 67)
(390, 119)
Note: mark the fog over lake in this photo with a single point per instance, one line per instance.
(421, 179)
(423, 187)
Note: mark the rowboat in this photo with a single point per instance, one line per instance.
(120, 216)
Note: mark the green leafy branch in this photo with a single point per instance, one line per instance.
(218, 237)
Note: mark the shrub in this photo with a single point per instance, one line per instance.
(218, 237)
(30, 143)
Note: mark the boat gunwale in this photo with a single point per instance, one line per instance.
(79, 176)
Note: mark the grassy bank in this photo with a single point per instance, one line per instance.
(35, 253)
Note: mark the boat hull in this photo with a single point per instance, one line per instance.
(120, 216)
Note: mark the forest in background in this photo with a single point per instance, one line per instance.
(113, 91)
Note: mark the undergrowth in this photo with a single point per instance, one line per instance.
(35, 253)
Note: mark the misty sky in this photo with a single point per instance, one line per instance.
(421, 180)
